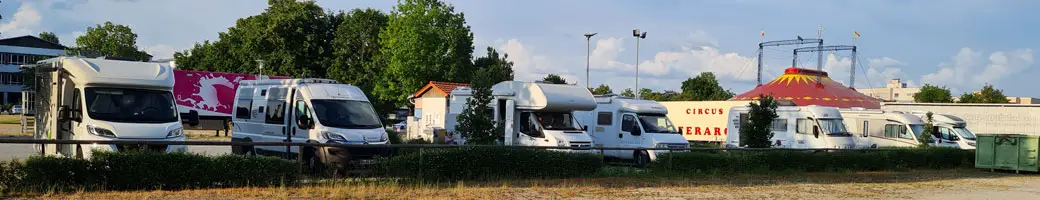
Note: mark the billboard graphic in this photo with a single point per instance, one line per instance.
(208, 91)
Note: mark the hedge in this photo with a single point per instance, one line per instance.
(812, 161)
(489, 163)
(144, 170)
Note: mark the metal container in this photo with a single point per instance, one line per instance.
(1007, 152)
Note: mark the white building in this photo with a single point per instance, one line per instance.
(432, 111)
(894, 91)
(18, 51)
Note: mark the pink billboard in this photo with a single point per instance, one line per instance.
(208, 91)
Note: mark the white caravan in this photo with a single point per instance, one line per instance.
(97, 99)
(307, 110)
(878, 128)
(624, 122)
(951, 128)
(537, 113)
(799, 127)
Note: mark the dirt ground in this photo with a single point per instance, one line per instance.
(949, 184)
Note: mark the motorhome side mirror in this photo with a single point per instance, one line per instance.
(585, 128)
(63, 113)
(816, 131)
(303, 123)
(193, 118)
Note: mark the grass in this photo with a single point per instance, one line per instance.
(208, 135)
(10, 119)
(914, 184)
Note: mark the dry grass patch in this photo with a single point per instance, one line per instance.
(872, 185)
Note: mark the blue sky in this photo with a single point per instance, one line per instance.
(959, 44)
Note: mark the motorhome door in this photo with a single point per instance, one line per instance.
(530, 132)
(629, 135)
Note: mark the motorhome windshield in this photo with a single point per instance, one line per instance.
(130, 105)
(559, 121)
(657, 123)
(834, 127)
(346, 114)
(917, 129)
(964, 133)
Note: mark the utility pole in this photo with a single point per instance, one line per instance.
(638, 35)
(588, 53)
(261, 64)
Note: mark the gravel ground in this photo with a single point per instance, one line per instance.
(948, 184)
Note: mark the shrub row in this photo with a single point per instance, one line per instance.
(144, 170)
(810, 161)
(489, 163)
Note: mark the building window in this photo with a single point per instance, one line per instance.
(896, 95)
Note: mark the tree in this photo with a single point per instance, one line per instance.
(498, 68)
(933, 94)
(988, 94)
(755, 131)
(425, 40)
(475, 124)
(929, 129)
(110, 39)
(293, 38)
(704, 87)
(554, 79)
(602, 89)
(628, 93)
(50, 37)
(355, 52)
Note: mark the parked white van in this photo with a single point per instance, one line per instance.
(798, 127)
(624, 122)
(98, 99)
(878, 128)
(307, 110)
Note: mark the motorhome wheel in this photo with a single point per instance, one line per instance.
(641, 158)
(314, 163)
(79, 152)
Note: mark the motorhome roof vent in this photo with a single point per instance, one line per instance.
(117, 58)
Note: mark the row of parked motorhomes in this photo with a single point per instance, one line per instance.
(98, 99)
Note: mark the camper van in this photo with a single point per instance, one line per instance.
(624, 122)
(798, 127)
(98, 99)
(537, 113)
(877, 128)
(307, 110)
(950, 128)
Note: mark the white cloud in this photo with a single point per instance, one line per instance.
(161, 51)
(25, 21)
(605, 54)
(528, 66)
(967, 72)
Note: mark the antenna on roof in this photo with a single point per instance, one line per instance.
(261, 64)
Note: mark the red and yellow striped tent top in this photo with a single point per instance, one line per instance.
(801, 87)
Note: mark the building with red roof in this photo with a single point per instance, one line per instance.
(810, 87)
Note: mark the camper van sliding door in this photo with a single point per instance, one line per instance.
(67, 94)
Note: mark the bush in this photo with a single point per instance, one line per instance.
(394, 136)
(489, 163)
(809, 161)
(145, 170)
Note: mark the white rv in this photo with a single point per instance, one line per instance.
(799, 127)
(624, 122)
(877, 128)
(538, 114)
(307, 110)
(950, 127)
(98, 99)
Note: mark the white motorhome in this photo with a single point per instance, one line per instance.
(624, 122)
(97, 99)
(878, 128)
(307, 110)
(799, 127)
(950, 127)
(538, 114)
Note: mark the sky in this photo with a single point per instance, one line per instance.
(958, 44)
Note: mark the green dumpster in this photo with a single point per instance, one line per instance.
(1007, 151)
